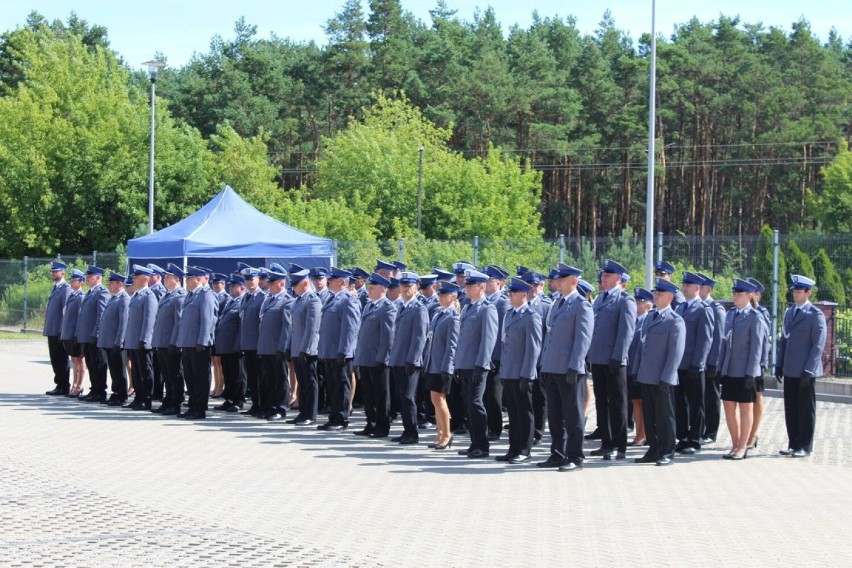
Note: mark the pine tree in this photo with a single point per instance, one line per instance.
(829, 285)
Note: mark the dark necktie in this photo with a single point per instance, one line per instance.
(656, 315)
(562, 302)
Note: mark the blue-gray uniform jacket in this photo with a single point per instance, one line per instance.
(541, 304)
(223, 298)
(521, 344)
(250, 319)
(570, 326)
(71, 317)
(286, 325)
(159, 290)
(441, 342)
(431, 303)
(114, 321)
(719, 314)
(88, 324)
(307, 316)
(363, 297)
(273, 313)
(662, 341)
(678, 299)
(169, 310)
(633, 352)
(410, 329)
(324, 295)
(742, 344)
(501, 302)
(615, 322)
(802, 342)
(140, 319)
(376, 335)
(767, 321)
(198, 319)
(227, 334)
(698, 319)
(341, 317)
(55, 308)
(478, 332)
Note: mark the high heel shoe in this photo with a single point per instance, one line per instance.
(433, 444)
(445, 445)
(742, 457)
(754, 445)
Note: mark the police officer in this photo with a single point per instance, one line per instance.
(155, 281)
(361, 277)
(460, 270)
(521, 338)
(615, 321)
(493, 397)
(217, 284)
(164, 340)
(304, 340)
(88, 329)
(53, 329)
(319, 278)
(477, 334)
(712, 384)
(540, 303)
(384, 269)
(341, 318)
(68, 335)
(227, 343)
(111, 331)
(798, 364)
(137, 339)
(440, 350)
(739, 362)
(699, 320)
(428, 293)
(372, 353)
(759, 383)
(195, 339)
(644, 302)
(249, 330)
(662, 343)
(406, 355)
(275, 314)
(570, 325)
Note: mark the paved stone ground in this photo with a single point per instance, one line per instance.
(86, 485)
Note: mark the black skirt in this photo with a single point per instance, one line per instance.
(73, 348)
(437, 383)
(633, 390)
(738, 389)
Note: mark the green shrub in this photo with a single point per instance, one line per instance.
(829, 285)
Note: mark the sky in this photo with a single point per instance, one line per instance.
(180, 28)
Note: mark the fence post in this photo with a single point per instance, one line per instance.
(26, 278)
(401, 254)
(334, 252)
(94, 258)
(476, 251)
(561, 248)
(775, 246)
(660, 246)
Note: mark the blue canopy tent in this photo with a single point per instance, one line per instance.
(227, 230)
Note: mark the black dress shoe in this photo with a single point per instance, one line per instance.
(252, 411)
(408, 441)
(365, 432)
(86, 398)
(521, 458)
(159, 409)
(98, 398)
(133, 404)
(337, 427)
(493, 437)
(600, 452)
(224, 407)
(477, 454)
(707, 440)
(536, 441)
(195, 416)
(324, 426)
(595, 435)
(57, 391)
(787, 452)
(304, 422)
(465, 452)
(116, 402)
(146, 405)
(665, 460)
(645, 459)
(681, 445)
(505, 457)
(397, 438)
(614, 455)
(551, 462)
(184, 414)
(169, 411)
(378, 434)
(235, 407)
(801, 454)
(570, 466)
(687, 451)
(274, 417)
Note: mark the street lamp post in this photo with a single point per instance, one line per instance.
(649, 199)
(154, 67)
